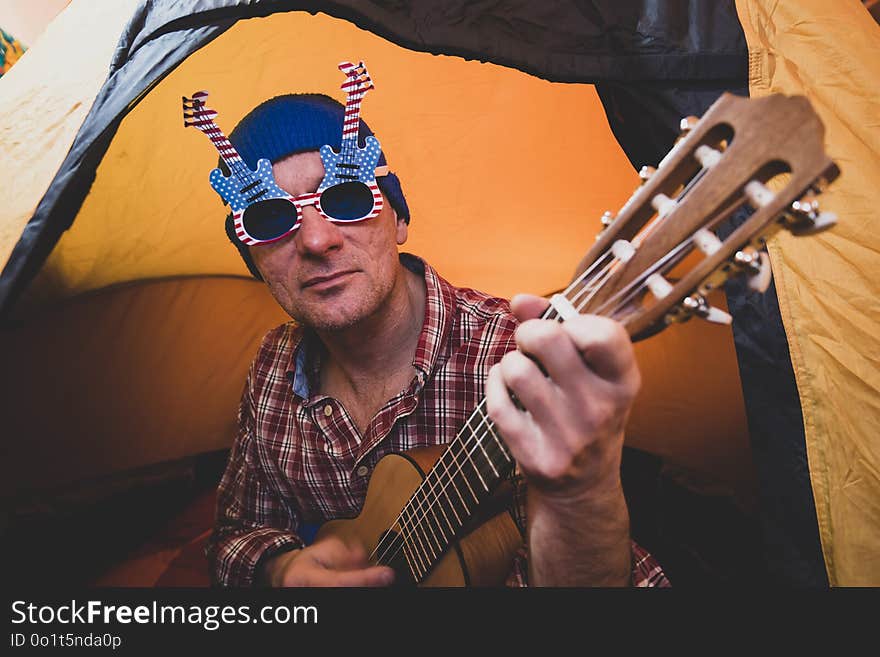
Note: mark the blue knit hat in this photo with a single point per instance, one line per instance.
(296, 123)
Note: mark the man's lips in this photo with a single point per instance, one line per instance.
(326, 280)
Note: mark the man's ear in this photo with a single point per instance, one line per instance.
(402, 228)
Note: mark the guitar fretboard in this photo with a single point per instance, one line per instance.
(355, 87)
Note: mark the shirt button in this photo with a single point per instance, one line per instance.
(328, 410)
(362, 471)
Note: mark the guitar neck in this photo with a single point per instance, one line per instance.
(355, 91)
(202, 118)
(224, 147)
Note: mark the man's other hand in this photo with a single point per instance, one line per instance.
(329, 562)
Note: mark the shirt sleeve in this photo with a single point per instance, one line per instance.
(646, 572)
(252, 522)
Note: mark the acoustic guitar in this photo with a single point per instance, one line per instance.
(437, 515)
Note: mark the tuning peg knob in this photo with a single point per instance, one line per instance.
(757, 265)
(697, 305)
(806, 219)
(607, 219)
(687, 124)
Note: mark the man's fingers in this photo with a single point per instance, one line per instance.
(333, 553)
(515, 426)
(373, 576)
(340, 564)
(605, 346)
(499, 405)
(537, 394)
(549, 344)
(528, 306)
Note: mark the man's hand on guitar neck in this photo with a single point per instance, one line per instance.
(329, 562)
(568, 441)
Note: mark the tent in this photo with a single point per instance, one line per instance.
(129, 321)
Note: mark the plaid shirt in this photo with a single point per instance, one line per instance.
(299, 459)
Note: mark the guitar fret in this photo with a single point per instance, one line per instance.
(468, 455)
(449, 498)
(438, 503)
(408, 531)
(480, 444)
(426, 545)
(251, 186)
(460, 474)
(434, 505)
(407, 553)
(420, 525)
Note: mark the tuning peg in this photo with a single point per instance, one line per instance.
(707, 241)
(805, 217)
(623, 250)
(664, 205)
(755, 264)
(707, 157)
(646, 172)
(607, 219)
(687, 124)
(697, 305)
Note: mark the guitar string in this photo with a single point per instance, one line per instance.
(489, 424)
(631, 293)
(403, 537)
(409, 504)
(408, 510)
(594, 287)
(398, 541)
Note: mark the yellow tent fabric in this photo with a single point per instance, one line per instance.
(45, 98)
(506, 176)
(828, 286)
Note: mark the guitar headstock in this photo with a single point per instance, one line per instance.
(722, 162)
(196, 113)
(357, 79)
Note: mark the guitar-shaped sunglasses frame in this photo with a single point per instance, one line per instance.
(262, 212)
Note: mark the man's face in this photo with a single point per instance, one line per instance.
(325, 275)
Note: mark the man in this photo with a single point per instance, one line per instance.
(386, 356)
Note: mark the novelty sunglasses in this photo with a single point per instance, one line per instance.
(269, 220)
(262, 212)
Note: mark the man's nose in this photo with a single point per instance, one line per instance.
(316, 235)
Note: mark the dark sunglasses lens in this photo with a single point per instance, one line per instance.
(267, 220)
(347, 202)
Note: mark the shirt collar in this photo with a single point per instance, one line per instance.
(305, 361)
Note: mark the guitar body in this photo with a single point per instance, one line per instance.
(482, 557)
(230, 187)
(364, 160)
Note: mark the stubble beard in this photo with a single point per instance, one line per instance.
(319, 316)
